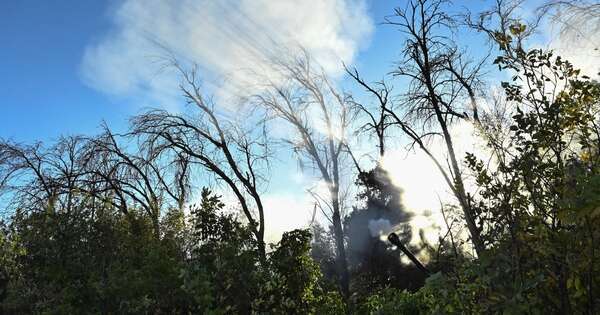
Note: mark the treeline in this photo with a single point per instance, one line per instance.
(105, 224)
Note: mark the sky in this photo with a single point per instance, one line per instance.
(67, 66)
(57, 56)
(43, 90)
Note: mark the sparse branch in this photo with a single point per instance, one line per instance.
(306, 95)
(440, 80)
(212, 142)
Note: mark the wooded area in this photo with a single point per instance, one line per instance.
(106, 224)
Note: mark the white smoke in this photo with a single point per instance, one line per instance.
(380, 228)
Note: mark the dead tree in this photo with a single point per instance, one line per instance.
(136, 176)
(378, 118)
(42, 178)
(79, 172)
(441, 90)
(320, 115)
(236, 156)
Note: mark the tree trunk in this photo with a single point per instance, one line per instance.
(340, 259)
(461, 195)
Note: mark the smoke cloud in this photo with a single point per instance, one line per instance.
(380, 228)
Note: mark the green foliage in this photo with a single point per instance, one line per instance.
(97, 260)
(539, 208)
(393, 301)
(90, 261)
(222, 274)
(293, 283)
(8, 250)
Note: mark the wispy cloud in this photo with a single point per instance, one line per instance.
(228, 39)
(571, 31)
(581, 46)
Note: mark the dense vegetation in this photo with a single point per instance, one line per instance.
(105, 224)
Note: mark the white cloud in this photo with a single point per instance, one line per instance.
(285, 209)
(229, 40)
(285, 212)
(583, 53)
(573, 33)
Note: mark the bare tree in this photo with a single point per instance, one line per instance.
(378, 118)
(238, 157)
(144, 178)
(442, 89)
(307, 100)
(41, 178)
(577, 19)
(78, 171)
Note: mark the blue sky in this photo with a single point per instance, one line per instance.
(46, 91)
(69, 65)
(42, 92)
(43, 88)
(66, 66)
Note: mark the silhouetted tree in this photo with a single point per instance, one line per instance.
(223, 149)
(305, 97)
